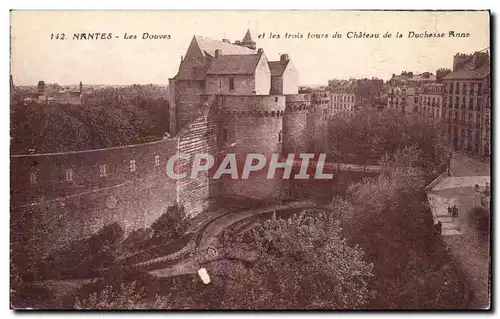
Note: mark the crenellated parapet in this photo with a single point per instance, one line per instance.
(297, 102)
(251, 105)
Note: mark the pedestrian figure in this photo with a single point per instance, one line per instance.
(450, 212)
(439, 228)
(454, 211)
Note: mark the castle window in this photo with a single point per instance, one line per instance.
(276, 99)
(32, 178)
(69, 174)
(231, 84)
(280, 136)
(132, 166)
(102, 170)
(157, 160)
(225, 135)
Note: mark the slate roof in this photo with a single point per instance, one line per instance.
(467, 71)
(234, 64)
(208, 46)
(414, 78)
(248, 37)
(277, 68)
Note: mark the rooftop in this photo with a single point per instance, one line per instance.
(234, 64)
(277, 67)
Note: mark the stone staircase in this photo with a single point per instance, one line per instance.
(449, 227)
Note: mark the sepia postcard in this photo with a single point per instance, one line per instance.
(250, 160)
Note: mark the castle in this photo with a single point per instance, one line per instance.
(225, 98)
(248, 104)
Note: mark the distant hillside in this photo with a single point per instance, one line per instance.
(60, 128)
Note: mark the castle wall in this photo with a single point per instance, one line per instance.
(172, 102)
(276, 85)
(295, 123)
(316, 129)
(200, 136)
(219, 84)
(253, 125)
(71, 189)
(188, 101)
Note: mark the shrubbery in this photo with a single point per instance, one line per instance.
(171, 224)
(125, 297)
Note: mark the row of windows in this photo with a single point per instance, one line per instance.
(455, 102)
(342, 106)
(453, 116)
(463, 88)
(103, 171)
(429, 100)
(343, 98)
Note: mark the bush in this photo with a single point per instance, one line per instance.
(479, 222)
(84, 257)
(171, 224)
(123, 298)
(301, 263)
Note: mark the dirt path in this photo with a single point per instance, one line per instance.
(206, 250)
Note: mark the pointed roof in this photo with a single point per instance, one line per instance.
(208, 46)
(248, 37)
(277, 67)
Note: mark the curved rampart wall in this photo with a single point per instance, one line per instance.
(74, 191)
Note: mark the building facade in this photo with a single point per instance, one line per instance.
(467, 103)
(431, 102)
(343, 99)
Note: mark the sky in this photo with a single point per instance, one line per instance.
(35, 56)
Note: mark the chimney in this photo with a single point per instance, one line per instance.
(217, 53)
(284, 58)
(479, 58)
(260, 51)
(459, 60)
(226, 41)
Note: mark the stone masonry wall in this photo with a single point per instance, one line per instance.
(74, 191)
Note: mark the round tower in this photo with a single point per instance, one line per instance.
(316, 121)
(295, 123)
(251, 124)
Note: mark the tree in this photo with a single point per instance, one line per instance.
(389, 218)
(124, 297)
(304, 263)
(171, 224)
